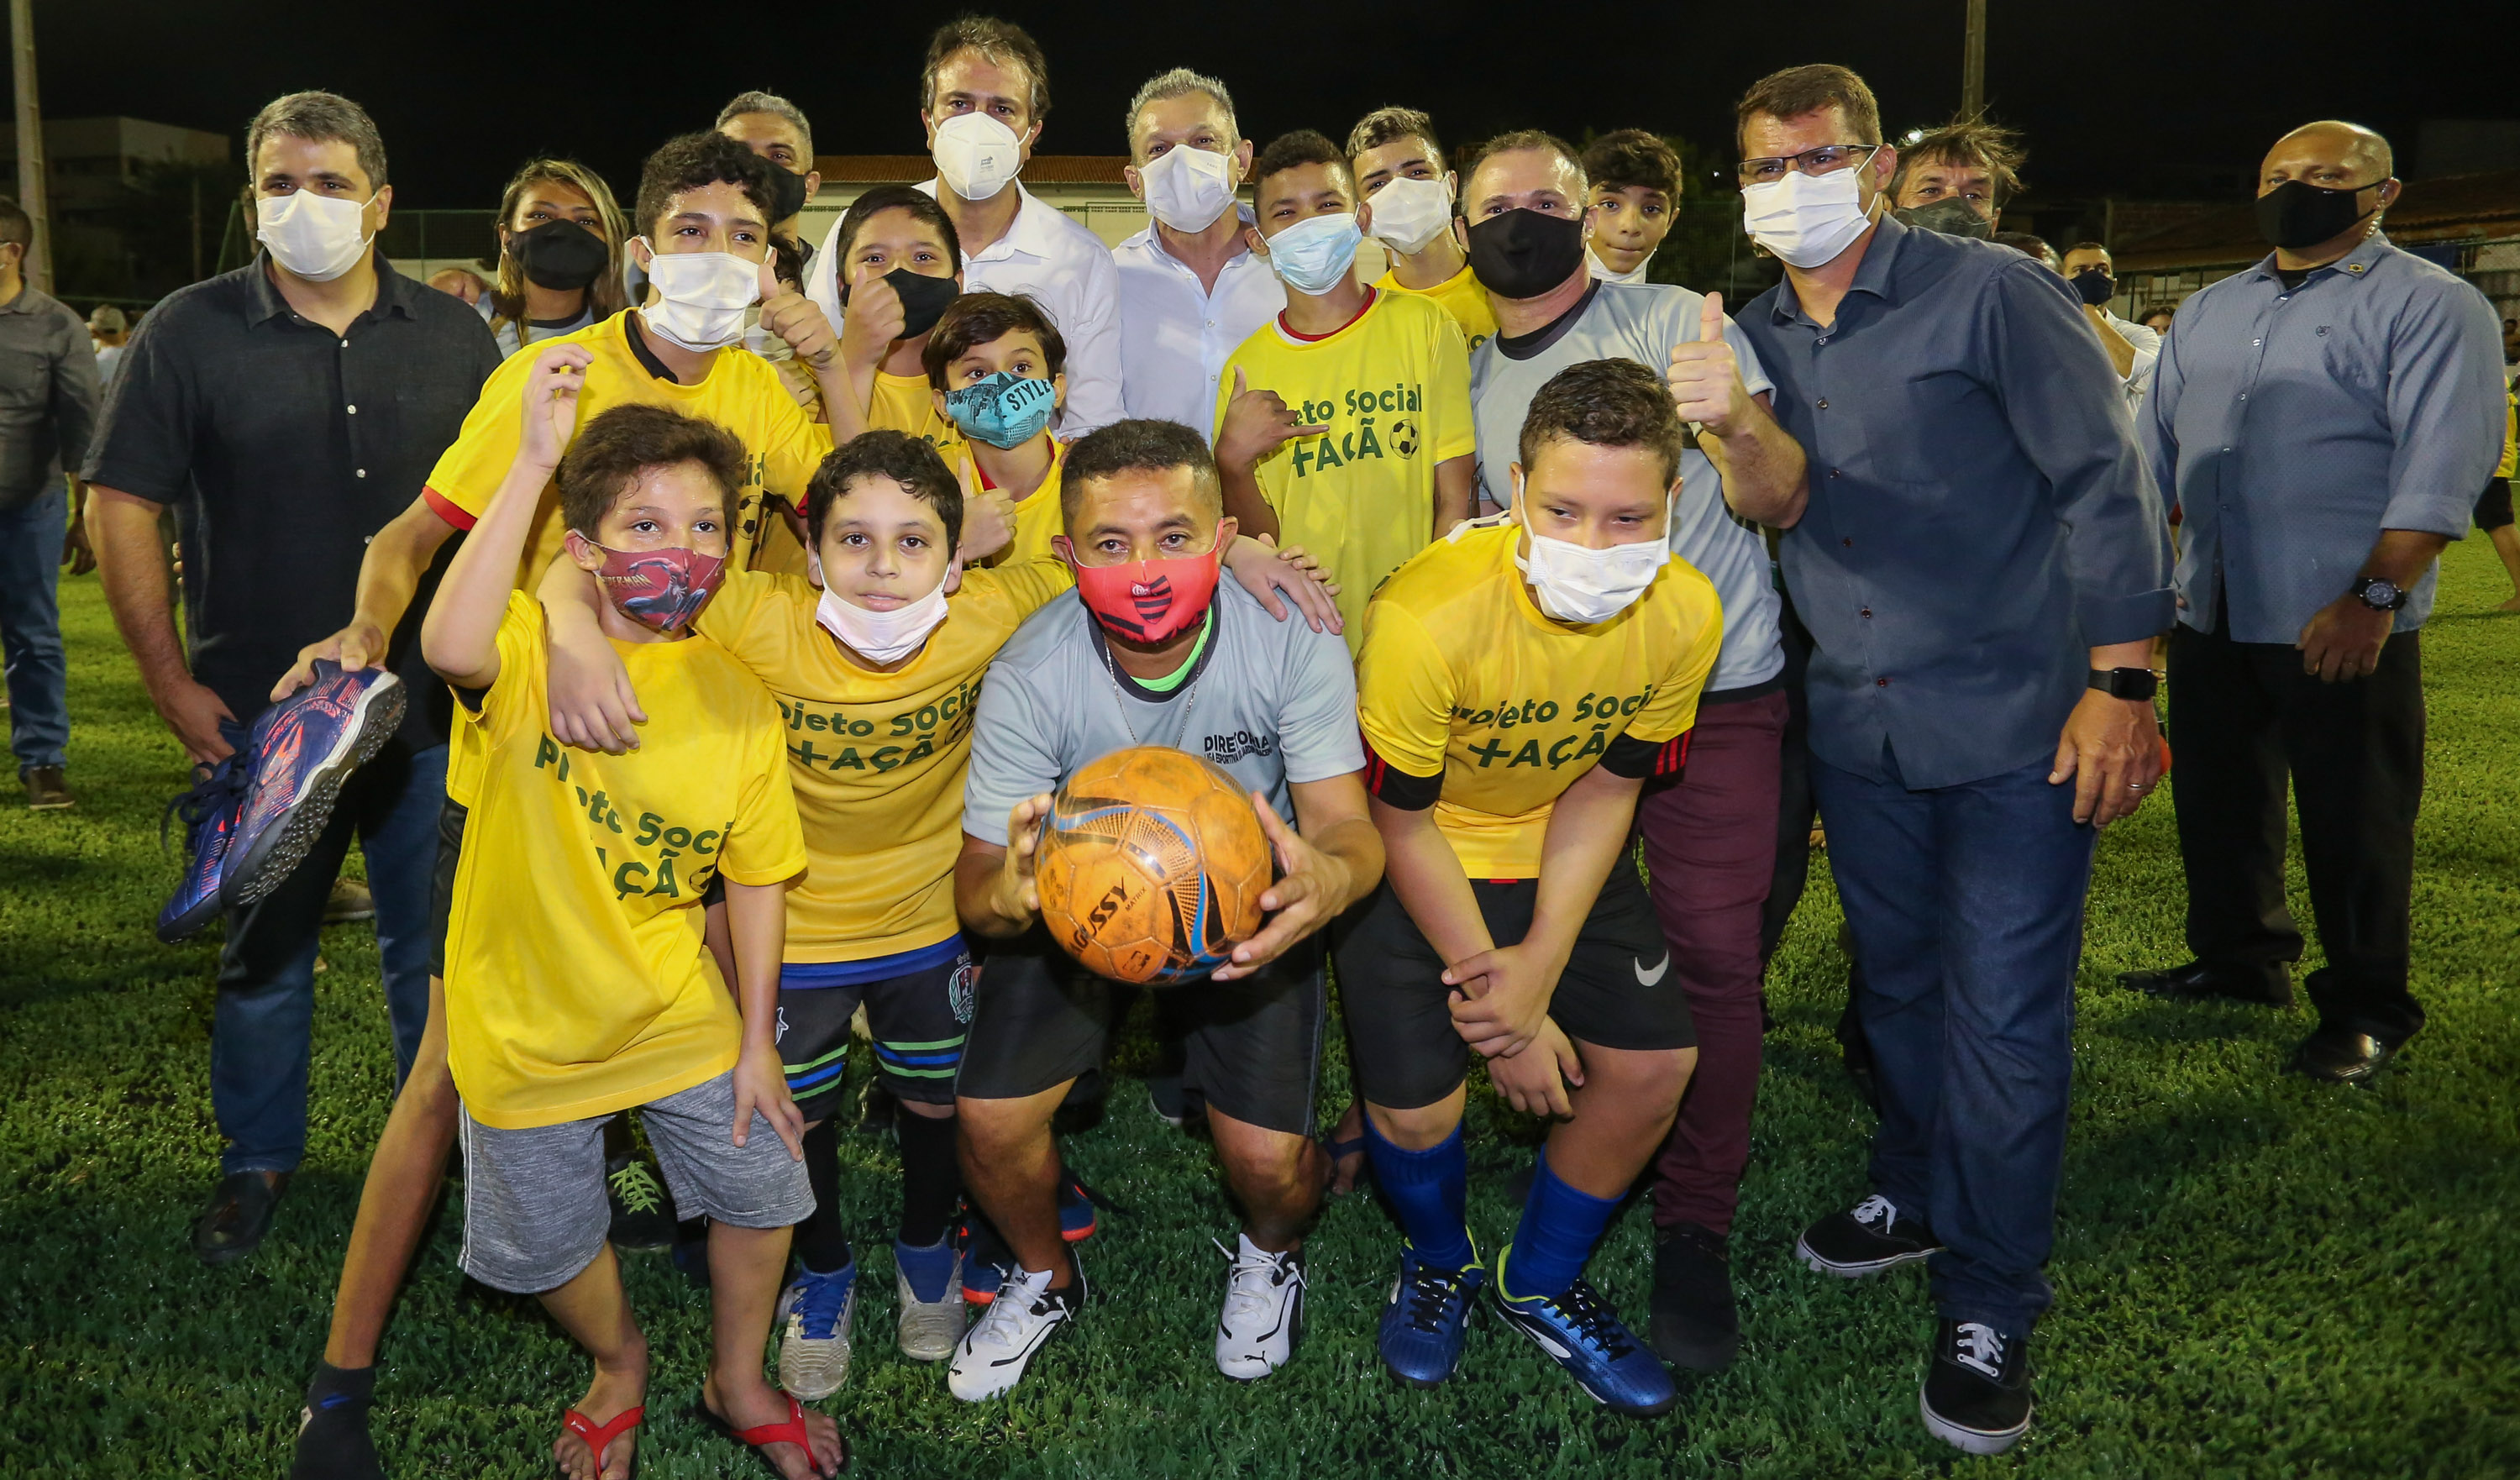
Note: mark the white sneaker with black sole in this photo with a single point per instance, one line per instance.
(992, 1356)
(1264, 1311)
(1871, 1237)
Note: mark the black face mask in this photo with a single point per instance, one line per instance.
(923, 298)
(1523, 254)
(561, 255)
(1951, 215)
(787, 190)
(2297, 213)
(2096, 287)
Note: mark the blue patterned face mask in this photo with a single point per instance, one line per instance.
(1004, 411)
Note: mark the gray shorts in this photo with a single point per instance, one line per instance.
(534, 1210)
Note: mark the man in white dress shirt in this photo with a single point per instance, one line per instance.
(1191, 289)
(983, 95)
(2132, 349)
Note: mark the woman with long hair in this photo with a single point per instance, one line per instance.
(559, 254)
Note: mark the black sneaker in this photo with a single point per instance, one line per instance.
(642, 1216)
(1695, 1324)
(238, 1216)
(1976, 1396)
(1871, 1237)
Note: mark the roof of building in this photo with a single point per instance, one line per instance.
(910, 170)
(2453, 208)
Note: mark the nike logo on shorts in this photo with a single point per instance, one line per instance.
(1646, 978)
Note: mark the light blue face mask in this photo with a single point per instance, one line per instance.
(1315, 252)
(1005, 411)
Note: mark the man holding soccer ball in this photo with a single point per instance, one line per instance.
(1151, 651)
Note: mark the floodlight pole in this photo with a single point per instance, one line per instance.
(38, 267)
(1973, 60)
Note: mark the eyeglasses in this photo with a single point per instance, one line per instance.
(1827, 160)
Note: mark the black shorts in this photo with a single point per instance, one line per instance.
(1253, 1048)
(1617, 991)
(2494, 505)
(919, 1006)
(441, 883)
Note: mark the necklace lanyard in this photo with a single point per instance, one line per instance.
(1190, 700)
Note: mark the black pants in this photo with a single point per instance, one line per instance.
(2243, 715)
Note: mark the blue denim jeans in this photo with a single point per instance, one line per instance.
(261, 1032)
(31, 627)
(1967, 908)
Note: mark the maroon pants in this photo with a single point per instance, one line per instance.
(1711, 850)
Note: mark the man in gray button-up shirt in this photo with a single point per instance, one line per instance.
(47, 408)
(2325, 419)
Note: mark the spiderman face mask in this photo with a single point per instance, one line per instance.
(661, 589)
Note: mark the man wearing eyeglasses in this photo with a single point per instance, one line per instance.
(2326, 417)
(1982, 562)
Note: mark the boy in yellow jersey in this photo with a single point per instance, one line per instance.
(899, 267)
(996, 369)
(1521, 681)
(1343, 425)
(578, 982)
(1399, 167)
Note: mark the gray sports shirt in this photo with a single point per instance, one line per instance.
(1270, 701)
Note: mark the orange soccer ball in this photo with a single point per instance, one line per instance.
(1151, 865)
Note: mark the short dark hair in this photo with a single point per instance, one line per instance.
(2029, 243)
(983, 318)
(1969, 140)
(692, 161)
(616, 446)
(16, 225)
(1294, 151)
(1603, 403)
(325, 118)
(896, 455)
(1632, 157)
(1139, 444)
(922, 209)
(1522, 139)
(1002, 42)
(1386, 125)
(2099, 247)
(2170, 310)
(1799, 90)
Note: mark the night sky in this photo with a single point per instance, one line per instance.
(2157, 97)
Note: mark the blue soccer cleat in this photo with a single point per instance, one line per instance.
(303, 748)
(1579, 1329)
(1076, 1219)
(209, 813)
(1425, 1318)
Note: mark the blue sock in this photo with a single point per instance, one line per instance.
(1559, 1226)
(1430, 1188)
(928, 1266)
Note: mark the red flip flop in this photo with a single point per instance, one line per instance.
(790, 1430)
(598, 1437)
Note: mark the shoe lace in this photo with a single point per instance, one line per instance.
(1023, 1297)
(1592, 1321)
(1251, 1290)
(818, 1308)
(1876, 1212)
(637, 1188)
(1431, 1290)
(217, 789)
(1981, 1347)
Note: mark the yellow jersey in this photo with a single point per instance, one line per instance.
(876, 759)
(1460, 295)
(1393, 386)
(1464, 679)
(902, 403)
(577, 982)
(1037, 516)
(742, 392)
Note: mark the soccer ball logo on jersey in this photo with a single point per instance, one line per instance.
(1366, 423)
(961, 988)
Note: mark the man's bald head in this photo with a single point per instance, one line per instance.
(2328, 153)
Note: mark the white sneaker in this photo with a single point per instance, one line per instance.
(992, 1355)
(1264, 1310)
(814, 1316)
(930, 1328)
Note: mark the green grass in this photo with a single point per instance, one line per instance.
(2255, 1276)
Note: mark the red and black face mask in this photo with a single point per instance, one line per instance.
(662, 590)
(1150, 601)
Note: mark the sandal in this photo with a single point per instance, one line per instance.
(789, 1430)
(1338, 1151)
(598, 1437)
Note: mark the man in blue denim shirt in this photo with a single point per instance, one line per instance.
(1982, 562)
(2325, 419)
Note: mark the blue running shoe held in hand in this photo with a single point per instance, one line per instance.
(305, 747)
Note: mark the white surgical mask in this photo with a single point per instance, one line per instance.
(1187, 188)
(1575, 583)
(1409, 213)
(316, 237)
(1314, 254)
(702, 297)
(1805, 220)
(1635, 274)
(976, 155)
(881, 637)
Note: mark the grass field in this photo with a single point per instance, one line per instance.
(2255, 1276)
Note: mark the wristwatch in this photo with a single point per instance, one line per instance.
(2379, 593)
(2125, 682)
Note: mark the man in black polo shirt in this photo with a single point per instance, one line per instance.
(288, 410)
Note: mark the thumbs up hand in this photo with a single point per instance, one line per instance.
(1705, 376)
(795, 318)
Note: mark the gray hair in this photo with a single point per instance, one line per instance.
(758, 102)
(322, 118)
(1179, 82)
